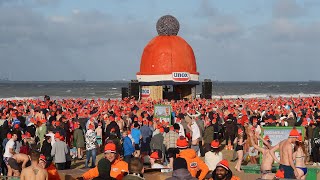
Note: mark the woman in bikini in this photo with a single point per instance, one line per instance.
(240, 142)
(299, 156)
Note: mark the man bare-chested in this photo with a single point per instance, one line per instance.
(18, 162)
(286, 151)
(34, 172)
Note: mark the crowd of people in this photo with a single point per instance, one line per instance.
(41, 136)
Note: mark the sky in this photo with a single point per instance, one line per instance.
(103, 40)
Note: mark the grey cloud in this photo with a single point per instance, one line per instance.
(288, 9)
(206, 9)
(96, 46)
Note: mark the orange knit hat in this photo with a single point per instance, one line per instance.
(215, 144)
(155, 155)
(182, 142)
(294, 133)
(110, 148)
(224, 163)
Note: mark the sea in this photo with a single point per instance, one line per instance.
(112, 89)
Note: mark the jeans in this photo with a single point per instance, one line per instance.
(60, 166)
(91, 153)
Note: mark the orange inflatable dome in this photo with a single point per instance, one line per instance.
(168, 58)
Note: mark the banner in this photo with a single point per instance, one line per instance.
(145, 92)
(278, 134)
(163, 112)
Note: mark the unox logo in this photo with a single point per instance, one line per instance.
(193, 165)
(145, 92)
(180, 76)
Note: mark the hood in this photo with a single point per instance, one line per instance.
(188, 153)
(182, 174)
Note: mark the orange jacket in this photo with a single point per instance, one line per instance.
(118, 168)
(194, 163)
(53, 172)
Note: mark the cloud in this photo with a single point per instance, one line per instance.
(94, 45)
(90, 43)
(288, 9)
(206, 9)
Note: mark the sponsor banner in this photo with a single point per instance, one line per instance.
(145, 92)
(163, 112)
(181, 76)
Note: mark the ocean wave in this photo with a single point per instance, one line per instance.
(118, 96)
(264, 96)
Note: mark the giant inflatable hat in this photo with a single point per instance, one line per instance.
(168, 58)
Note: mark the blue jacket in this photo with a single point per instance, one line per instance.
(128, 148)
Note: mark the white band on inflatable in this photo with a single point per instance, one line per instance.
(164, 77)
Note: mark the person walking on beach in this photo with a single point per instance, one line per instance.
(91, 151)
(286, 157)
(78, 138)
(59, 151)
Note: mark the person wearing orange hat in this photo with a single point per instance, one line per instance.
(299, 155)
(267, 160)
(118, 167)
(239, 149)
(213, 156)
(156, 142)
(286, 154)
(156, 160)
(195, 164)
(223, 172)
(53, 173)
(41, 130)
(59, 151)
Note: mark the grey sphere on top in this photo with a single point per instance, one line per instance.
(168, 26)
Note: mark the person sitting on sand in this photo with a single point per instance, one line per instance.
(223, 172)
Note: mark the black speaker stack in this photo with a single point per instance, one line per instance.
(134, 89)
(124, 92)
(206, 89)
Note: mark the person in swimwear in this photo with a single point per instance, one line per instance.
(267, 160)
(286, 154)
(240, 143)
(299, 155)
